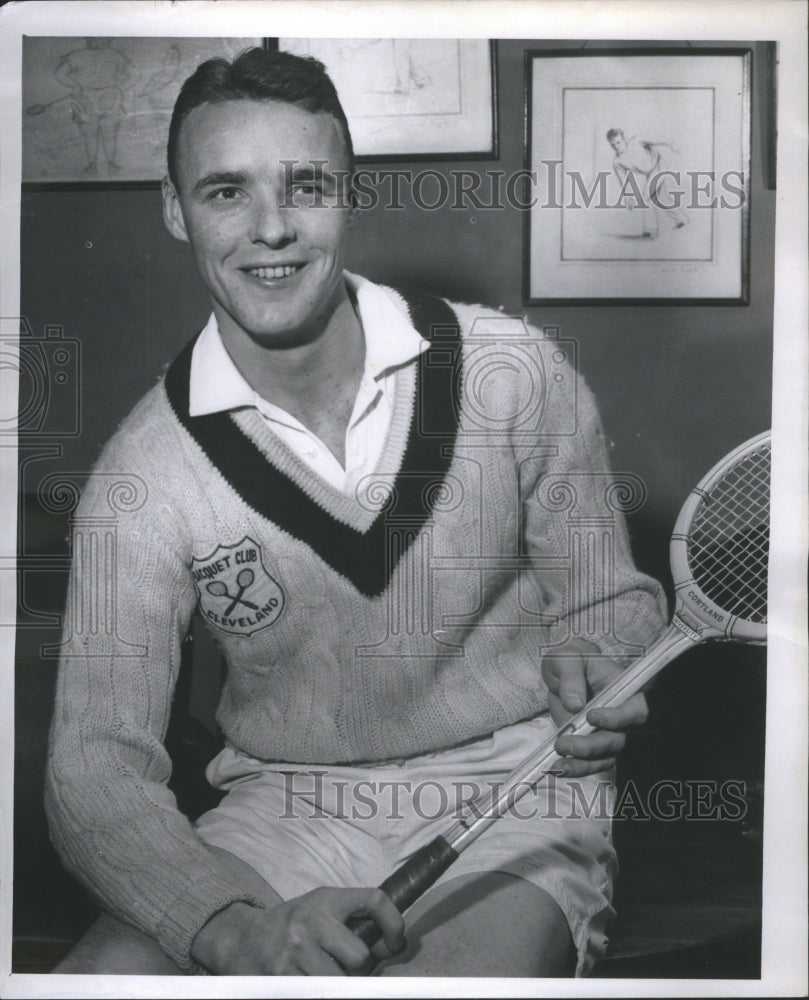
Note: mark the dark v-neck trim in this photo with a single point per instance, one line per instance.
(367, 558)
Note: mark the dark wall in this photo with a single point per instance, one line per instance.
(677, 385)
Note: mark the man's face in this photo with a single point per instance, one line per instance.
(618, 143)
(267, 238)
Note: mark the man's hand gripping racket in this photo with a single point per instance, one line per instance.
(719, 554)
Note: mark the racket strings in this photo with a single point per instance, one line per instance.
(728, 543)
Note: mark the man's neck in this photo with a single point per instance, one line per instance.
(317, 381)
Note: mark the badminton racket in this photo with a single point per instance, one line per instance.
(719, 553)
(38, 109)
(244, 580)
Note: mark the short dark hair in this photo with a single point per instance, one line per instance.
(258, 75)
(614, 133)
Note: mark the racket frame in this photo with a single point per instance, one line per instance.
(695, 611)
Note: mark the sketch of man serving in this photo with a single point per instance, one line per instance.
(650, 165)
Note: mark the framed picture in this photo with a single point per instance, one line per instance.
(639, 167)
(98, 109)
(412, 98)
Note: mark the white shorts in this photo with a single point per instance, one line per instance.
(301, 826)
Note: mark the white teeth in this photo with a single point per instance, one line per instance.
(273, 272)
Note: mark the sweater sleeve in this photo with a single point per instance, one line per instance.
(112, 817)
(575, 529)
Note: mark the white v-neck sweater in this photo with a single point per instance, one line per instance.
(404, 620)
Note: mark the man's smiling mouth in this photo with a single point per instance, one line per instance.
(281, 271)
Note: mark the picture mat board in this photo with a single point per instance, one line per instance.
(591, 253)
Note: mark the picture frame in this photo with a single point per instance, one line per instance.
(771, 113)
(412, 98)
(96, 110)
(639, 168)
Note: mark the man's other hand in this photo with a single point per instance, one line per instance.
(574, 673)
(303, 936)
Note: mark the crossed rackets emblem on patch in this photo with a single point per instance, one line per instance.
(236, 593)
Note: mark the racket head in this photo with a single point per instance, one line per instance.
(217, 588)
(720, 545)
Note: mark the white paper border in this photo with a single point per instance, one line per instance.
(785, 913)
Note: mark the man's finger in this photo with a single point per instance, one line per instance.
(565, 676)
(344, 947)
(573, 767)
(632, 713)
(601, 671)
(593, 747)
(319, 963)
(377, 905)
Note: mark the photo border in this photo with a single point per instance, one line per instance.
(785, 921)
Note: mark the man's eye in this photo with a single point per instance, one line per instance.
(306, 187)
(225, 194)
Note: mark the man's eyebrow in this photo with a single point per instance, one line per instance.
(220, 177)
(309, 172)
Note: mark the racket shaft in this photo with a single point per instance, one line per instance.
(485, 810)
(422, 870)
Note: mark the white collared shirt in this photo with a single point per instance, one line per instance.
(216, 385)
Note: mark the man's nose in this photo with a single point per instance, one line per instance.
(271, 221)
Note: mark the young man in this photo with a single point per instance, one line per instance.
(649, 163)
(369, 498)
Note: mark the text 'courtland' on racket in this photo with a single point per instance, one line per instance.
(719, 555)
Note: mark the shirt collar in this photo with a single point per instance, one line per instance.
(216, 383)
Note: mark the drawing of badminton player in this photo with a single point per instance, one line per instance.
(98, 77)
(648, 162)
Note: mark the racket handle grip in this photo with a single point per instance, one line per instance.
(407, 884)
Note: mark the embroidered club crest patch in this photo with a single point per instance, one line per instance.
(236, 593)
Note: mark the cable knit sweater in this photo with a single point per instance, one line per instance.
(408, 618)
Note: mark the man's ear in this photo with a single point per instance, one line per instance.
(353, 202)
(172, 212)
